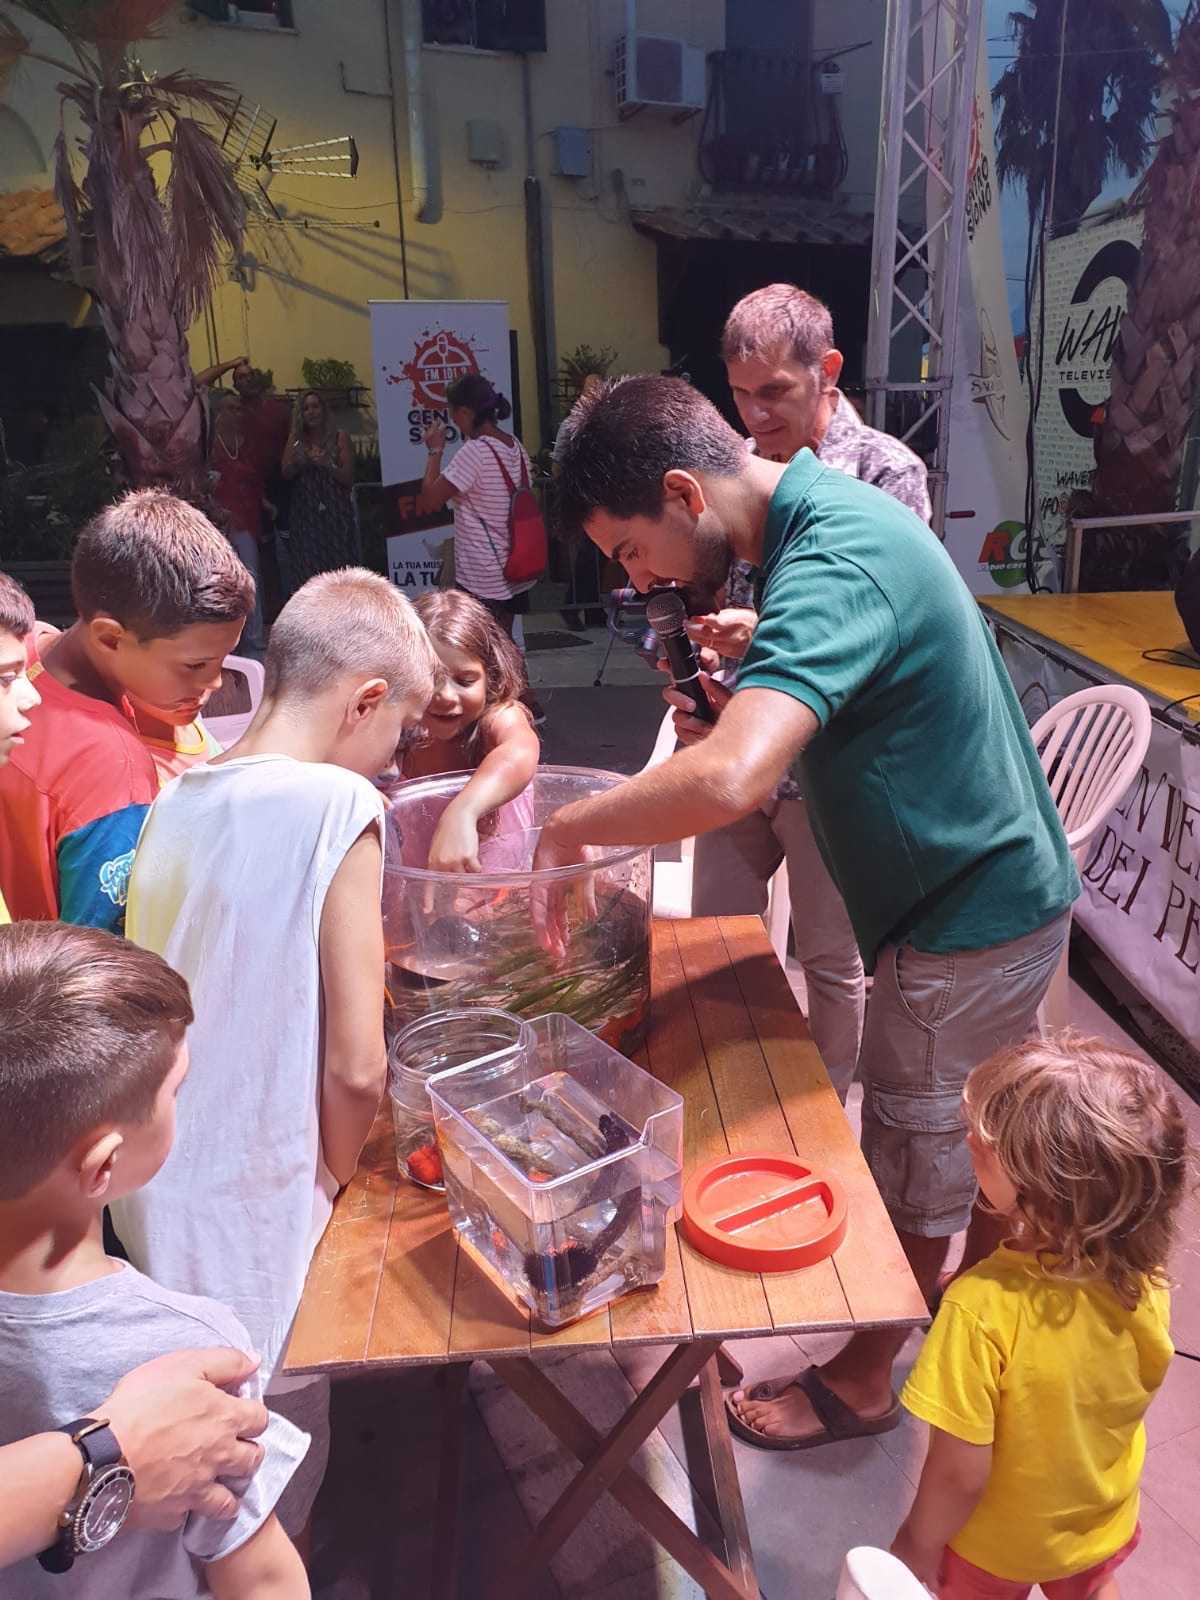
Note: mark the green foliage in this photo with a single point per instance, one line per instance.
(327, 372)
(43, 508)
(584, 362)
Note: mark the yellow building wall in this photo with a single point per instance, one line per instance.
(302, 287)
(306, 288)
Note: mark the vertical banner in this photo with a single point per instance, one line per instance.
(985, 490)
(1088, 273)
(419, 348)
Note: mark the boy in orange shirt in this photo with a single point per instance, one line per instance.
(161, 600)
(17, 694)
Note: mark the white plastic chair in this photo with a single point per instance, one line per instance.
(1091, 745)
(673, 879)
(672, 894)
(242, 680)
(869, 1574)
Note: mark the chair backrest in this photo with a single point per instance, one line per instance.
(242, 680)
(1091, 745)
(870, 1574)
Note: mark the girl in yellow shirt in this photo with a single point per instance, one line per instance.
(1043, 1359)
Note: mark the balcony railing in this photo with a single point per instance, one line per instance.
(767, 126)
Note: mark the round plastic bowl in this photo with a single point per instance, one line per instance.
(763, 1212)
(467, 939)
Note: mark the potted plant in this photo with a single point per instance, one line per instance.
(334, 380)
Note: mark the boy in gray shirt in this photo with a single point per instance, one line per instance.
(92, 1055)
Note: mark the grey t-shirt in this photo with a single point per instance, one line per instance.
(60, 1354)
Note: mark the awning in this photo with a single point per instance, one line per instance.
(31, 224)
(797, 221)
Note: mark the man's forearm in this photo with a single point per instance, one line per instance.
(710, 784)
(38, 1478)
(689, 794)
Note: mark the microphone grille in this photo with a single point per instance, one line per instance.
(666, 612)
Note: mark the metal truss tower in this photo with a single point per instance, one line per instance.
(931, 53)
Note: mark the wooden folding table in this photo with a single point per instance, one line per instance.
(390, 1286)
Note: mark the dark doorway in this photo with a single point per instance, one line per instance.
(46, 375)
(701, 279)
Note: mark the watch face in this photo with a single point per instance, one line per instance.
(103, 1509)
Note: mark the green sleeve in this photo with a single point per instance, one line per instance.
(825, 629)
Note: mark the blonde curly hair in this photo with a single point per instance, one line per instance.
(1095, 1145)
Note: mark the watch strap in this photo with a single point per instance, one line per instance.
(95, 1440)
(97, 1444)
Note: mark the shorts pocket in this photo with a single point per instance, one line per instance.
(916, 1148)
(934, 1114)
(1044, 953)
(924, 983)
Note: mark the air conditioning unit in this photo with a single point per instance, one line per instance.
(658, 73)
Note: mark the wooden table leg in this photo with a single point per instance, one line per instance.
(605, 1467)
(730, 1507)
(446, 1543)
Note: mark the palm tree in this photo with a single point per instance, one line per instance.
(1156, 361)
(149, 253)
(1111, 73)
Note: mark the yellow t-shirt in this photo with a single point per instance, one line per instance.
(1056, 1377)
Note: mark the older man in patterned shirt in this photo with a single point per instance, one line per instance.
(783, 369)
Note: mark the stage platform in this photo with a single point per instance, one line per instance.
(1141, 876)
(1103, 636)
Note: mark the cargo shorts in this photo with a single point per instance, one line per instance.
(930, 1019)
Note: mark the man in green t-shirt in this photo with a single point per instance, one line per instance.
(870, 666)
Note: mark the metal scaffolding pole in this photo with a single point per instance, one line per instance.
(931, 51)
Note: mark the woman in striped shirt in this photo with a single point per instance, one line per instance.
(474, 483)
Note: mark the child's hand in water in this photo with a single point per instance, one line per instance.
(455, 846)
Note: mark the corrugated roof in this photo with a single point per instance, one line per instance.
(799, 221)
(31, 222)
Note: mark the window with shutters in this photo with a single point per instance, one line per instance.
(510, 25)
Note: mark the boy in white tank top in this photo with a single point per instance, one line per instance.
(258, 877)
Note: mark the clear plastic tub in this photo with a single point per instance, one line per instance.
(466, 939)
(436, 1043)
(562, 1165)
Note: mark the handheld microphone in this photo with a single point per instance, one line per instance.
(667, 615)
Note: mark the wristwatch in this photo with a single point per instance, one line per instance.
(102, 1497)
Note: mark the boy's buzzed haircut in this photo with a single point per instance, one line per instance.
(351, 621)
(157, 565)
(90, 1026)
(16, 608)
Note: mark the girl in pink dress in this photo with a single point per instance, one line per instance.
(475, 722)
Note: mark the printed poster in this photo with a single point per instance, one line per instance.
(419, 349)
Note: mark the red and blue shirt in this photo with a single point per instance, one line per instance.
(73, 797)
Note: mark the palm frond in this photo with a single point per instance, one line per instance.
(13, 45)
(69, 197)
(117, 23)
(184, 88)
(205, 209)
